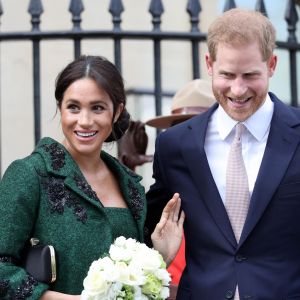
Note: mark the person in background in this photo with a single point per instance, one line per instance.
(73, 195)
(236, 168)
(132, 146)
(192, 99)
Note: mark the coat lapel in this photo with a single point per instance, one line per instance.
(281, 145)
(193, 142)
(60, 164)
(133, 192)
(77, 183)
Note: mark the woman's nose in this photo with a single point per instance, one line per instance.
(85, 119)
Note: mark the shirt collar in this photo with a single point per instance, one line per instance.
(258, 124)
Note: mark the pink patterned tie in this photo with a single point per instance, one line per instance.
(237, 188)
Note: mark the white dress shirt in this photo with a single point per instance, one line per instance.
(219, 137)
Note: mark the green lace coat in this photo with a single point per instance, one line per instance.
(46, 196)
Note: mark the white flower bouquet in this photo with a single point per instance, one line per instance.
(131, 271)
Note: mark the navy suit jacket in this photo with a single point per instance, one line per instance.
(266, 262)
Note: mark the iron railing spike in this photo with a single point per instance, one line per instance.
(1, 8)
(156, 9)
(229, 4)
(260, 6)
(76, 7)
(194, 8)
(291, 17)
(35, 9)
(116, 7)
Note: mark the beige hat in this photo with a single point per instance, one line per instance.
(194, 98)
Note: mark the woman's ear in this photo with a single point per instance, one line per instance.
(118, 112)
(58, 107)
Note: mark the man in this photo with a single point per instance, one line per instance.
(239, 244)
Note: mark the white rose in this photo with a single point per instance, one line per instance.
(106, 267)
(119, 253)
(148, 259)
(130, 275)
(114, 291)
(120, 241)
(165, 292)
(163, 275)
(138, 294)
(101, 264)
(96, 284)
(85, 296)
(106, 263)
(131, 244)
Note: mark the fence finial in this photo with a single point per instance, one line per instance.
(1, 8)
(260, 6)
(116, 8)
(291, 16)
(76, 8)
(194, 8)
(35, 9)
(156, 9)
(1, 12)
(229, 4)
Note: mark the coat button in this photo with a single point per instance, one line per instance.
(240, 258)
(229, 294)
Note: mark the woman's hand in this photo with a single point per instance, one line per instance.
(167, 235)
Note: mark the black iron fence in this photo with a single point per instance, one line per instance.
(156, 35)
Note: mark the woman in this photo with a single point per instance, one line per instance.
(74, 195)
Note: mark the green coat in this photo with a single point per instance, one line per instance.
(46, 196)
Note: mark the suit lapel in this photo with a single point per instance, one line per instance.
(193, 142)
(281, 145)
(282, 142)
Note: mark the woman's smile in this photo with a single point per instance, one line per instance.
(85, 134)
(86, 117)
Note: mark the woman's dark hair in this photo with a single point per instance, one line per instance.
(106, 76)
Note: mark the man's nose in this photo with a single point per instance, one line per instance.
(238, 87)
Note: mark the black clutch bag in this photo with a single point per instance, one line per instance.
(40, 262)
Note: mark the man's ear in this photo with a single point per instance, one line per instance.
(209, 64)
(272, 63)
